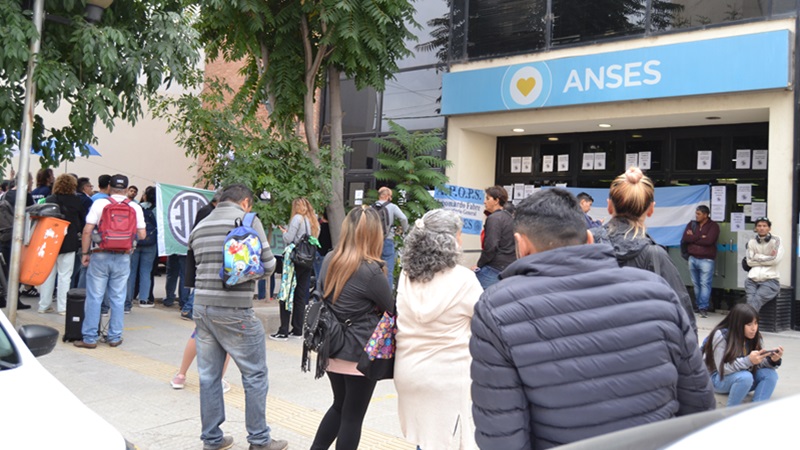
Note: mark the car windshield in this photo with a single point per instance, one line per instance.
(9, 358)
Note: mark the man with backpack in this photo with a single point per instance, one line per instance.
(107, 241)
(389, 212)
(226, 322)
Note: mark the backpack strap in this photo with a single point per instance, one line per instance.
(248, 219)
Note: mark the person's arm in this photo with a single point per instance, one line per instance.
(86, 243)
(141, 226)
(294, 227)
(710, 238)
(689, 237)
(379, 290)
(490, 241)
(267, 258)
(719, 345)
(695, 391)
(499, 406)
(398, 215)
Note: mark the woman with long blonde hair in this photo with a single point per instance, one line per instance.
(304, 221)
(631, 200)
(353, 281)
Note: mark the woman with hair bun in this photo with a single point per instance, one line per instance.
(631, 200)
(435, 301)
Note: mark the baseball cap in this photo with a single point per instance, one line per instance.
(119, 181)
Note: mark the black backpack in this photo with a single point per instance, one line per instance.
(305, 251)
(323, 333)
(6, 220)
(383, 212)
(151, 227)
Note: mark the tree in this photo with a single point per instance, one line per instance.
(408, 161)
(103, 72)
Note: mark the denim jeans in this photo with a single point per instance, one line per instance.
(107, 273)
(141, 264)
(702, 272)
(238, 332)
(487, 276)
(63, 271)
(176, 269)
(388, 257)
(188, 304)
(738, 384)
(761, 293)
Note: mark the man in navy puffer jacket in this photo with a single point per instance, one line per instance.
(568, 345)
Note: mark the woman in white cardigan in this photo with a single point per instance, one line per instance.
(435, 301)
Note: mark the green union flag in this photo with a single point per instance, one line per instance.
(176, 209)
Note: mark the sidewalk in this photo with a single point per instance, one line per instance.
(129, 385)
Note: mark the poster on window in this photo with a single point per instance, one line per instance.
(743, 159)
(516, 164)
(600, 161)
(519, 191)
(631, 160)
(718, 213)
(759, 210)
(644, 160)
(563, 163)
(744, 193)
(704, 160)
(588, 161)
(547, 163)
(759, 160)
(737, 222)
(530, 190)
(527, 164)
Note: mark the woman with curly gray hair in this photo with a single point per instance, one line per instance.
(435, 300)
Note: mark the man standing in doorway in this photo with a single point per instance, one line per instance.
(700, 240)
(389, 212)
(764, 252)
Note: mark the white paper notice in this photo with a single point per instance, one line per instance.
(529, 190)
(563, 163)
(644, 160)
(509, 190)
(547, 163)
(743, 193)
(737, 221)
(759, 210)
(718, 195)
(704, 160)
(742, 159)
(718, 213)
(516, 164)
(759, 160)
(561, 185)
(631, 160)
(519, 191)
(600, 161)
(748, 210)
(527, 164)
(588, 161)
(359, 196)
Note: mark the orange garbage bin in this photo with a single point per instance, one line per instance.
(46, 237)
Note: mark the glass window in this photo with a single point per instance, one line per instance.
(363, 155)
(603, 152)
(431, 44)
(588, 20)
(654, 147)
(682, 14)
(555, 150)
(687, 153)
(360, 108)
(503, 27)
(784, 6)
(751, 143)
(412, 100)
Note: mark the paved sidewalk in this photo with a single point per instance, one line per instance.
(129, 385)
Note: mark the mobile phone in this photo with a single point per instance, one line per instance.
(769, 352)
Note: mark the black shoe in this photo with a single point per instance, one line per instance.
(186, 315)
(704, 314)
(21, 305)
(279, 336)
(30, 292)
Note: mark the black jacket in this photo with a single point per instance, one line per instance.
(641, 252)
(498, 241)
(568, 346)
(74, 212)
(365, 297)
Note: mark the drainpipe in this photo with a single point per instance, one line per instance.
(796, 178)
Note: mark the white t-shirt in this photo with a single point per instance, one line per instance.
(96, 210)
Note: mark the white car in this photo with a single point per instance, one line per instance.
(36, 410)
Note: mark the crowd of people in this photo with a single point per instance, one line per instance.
(566, 328)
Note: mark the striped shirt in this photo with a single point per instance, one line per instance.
(206, 241)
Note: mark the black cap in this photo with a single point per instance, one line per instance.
(119, 181)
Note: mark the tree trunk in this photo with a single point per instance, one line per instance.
(335, 208)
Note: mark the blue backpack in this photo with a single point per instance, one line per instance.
(241, 254)
(151, 227)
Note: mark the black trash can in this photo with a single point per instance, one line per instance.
(76, 300)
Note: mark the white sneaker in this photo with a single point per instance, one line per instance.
(225, 386)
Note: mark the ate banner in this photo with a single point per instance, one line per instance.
(176, 209)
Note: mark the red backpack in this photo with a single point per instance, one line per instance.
(117, 226)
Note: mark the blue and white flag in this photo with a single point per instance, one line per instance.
(675, 207)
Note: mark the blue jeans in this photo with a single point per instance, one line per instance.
(487, 276)
(176, 269)
(388, 257)
(702, 272)
(107, 273)
(238, 332)
(738, 384)
(141, 263)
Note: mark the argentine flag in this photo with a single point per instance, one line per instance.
(675, 207)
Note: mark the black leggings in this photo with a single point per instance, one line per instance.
(351, 396)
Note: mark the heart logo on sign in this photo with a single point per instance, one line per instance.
(526, 85)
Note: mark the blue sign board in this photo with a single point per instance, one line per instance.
(730, 64)
(467, 202)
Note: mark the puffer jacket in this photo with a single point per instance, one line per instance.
(763, 258)
(643, 253)
(568, 346)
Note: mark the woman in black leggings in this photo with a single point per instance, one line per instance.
(353, 281)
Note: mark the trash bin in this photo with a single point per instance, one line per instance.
(45, 232)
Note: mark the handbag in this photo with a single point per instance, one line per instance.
(323, 334)
(377, 361)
